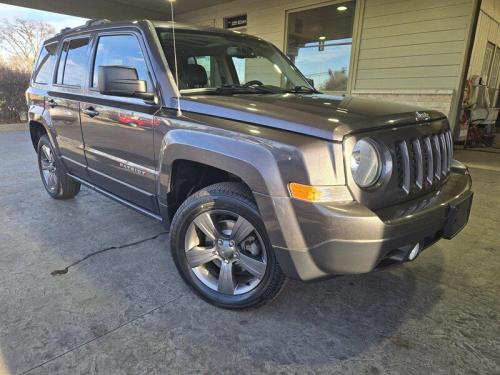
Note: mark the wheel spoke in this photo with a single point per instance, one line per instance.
(205, 223)
(241, 230)
(254, 266)
(198, 256)
(45, 165)
(51, 181)
(47, 152)
(226, 281)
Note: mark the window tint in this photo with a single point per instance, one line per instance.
(123, 50)
(211, 66)
(73, 63)
(45, 65)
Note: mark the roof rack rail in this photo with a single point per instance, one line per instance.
(96, 21)
(92, 22)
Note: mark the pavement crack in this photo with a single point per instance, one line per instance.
(64, 271)
(105, 333)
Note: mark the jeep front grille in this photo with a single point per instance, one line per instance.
(423, 162)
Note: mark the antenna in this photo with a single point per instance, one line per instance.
(179, 112)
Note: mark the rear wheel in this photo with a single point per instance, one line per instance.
(220, 247)
(56, 182)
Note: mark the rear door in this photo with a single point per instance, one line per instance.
(119, 131)
(63, 102)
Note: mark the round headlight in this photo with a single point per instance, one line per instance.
(366, 163)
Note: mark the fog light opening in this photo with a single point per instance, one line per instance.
(414, 252)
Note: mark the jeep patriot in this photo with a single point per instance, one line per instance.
(258, 175)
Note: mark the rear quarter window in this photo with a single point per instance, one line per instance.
(44, 68)
(73, 63)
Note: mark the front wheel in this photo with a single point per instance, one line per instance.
(221, 249)
(57, 183)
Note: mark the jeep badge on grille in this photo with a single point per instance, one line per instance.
(422, 116)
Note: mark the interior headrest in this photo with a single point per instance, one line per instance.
(194, 76)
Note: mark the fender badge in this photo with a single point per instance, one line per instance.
(422, 116)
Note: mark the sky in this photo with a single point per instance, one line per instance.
(59, 21)
(315, 64)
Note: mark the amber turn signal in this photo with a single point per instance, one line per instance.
(319, 193)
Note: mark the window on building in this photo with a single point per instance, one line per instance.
(45, 65)
(319, 43)
(494, 70)
(488, 58)
(73, 63)
(122, 50)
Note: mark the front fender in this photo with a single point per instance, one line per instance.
(252, 160)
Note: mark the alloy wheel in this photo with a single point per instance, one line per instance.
(49, 169)
(225, 252)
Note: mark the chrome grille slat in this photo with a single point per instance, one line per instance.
(430, 160)
(419, 163)
(450, 148)
(437, 156)
(403, 149)
(444, 153)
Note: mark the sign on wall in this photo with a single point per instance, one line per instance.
(236, 21)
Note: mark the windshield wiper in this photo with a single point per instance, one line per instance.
(304, 90)
(242, 89)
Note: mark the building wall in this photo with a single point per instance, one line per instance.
(403, 50)
(488, 29)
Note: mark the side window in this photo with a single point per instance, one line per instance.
(122, 50)
(73, 63)
(45, 65)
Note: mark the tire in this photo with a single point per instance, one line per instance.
(255, 276)
(56, 182)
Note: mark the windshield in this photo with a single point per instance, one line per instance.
(225, 64)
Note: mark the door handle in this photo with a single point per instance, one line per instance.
(52, 103)
(91, 112)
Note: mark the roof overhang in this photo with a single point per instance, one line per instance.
(115, 9)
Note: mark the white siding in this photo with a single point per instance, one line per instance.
(412, 44)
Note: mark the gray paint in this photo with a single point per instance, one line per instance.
(282, 139)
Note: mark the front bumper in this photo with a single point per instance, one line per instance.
(320, 240)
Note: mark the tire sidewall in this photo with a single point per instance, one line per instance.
(44, 140)
(182, 222)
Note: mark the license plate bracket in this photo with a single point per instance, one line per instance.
(458, 216)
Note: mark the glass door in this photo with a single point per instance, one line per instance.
(319, 43)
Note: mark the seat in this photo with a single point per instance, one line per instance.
(193, 76)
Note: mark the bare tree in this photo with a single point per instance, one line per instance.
(22, 38)
(13, 84)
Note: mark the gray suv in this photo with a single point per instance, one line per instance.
(257, 174)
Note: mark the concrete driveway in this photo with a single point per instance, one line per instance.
(125, 310)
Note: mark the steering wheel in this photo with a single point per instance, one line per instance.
(254, 82)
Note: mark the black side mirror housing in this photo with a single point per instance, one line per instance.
(122, 81)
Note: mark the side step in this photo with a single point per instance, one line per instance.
(116, 198)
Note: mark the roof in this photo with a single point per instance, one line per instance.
(93, 25)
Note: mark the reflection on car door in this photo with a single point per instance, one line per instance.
(119, 132)
(63, 102)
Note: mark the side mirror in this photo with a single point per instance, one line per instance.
(311, 81)
(122, 81)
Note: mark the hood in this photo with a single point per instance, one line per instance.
(318, 115)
